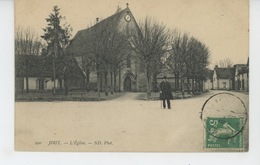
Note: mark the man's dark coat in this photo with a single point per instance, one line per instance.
(165, 87)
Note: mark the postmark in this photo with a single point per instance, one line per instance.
(224, 116)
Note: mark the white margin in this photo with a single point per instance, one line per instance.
(9, 157)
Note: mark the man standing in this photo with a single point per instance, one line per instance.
(165, 93)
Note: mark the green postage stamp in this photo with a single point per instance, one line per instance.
(224, 116)
(224, 133)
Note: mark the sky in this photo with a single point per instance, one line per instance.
(223, 25)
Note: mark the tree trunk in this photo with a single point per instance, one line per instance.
(101, 81)
(196, 84)
(111, 84)
(66, 86)
(87, 81)
(148, 87)
(98, 83)
(119, 83)
(26, 73)
(155, 89)
(106, 90)
(192, 85)
(60, 82)
(27, 84)
(201, 86)
(175, 84)
(115, 90)
(54, 77)
(182, 87)
(148, 83)
(178, 82)
(23, 86)
(188, 87)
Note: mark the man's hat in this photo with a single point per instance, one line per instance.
(164, 77)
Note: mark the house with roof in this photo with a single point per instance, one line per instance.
(131, 76)
(238, 70)
(224, 78)
(242, 77)
(33, 72)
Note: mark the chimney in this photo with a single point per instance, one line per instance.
(127, 5)
(97, 20)
(118, 9)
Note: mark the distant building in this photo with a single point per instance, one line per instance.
(224, 78)
(242, 77)
(238, 70)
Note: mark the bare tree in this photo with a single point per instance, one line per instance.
(88, 65)
(26, 43)
(200, 64)
(225, 63)
(178, 57)
(156, 70)
(105, 48)
(24, 39)
(188, 59)
(118, 49)
(197, 62)
(150, 45)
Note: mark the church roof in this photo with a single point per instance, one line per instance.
(243, 70)
(78, 46)
(82, 37)
(33, 66)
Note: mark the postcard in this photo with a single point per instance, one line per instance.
(132, 76)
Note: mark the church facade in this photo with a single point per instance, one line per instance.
(131, 76)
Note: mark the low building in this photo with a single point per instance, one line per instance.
(243, 79)
(238, 70)
(33, 72)
(224, 78)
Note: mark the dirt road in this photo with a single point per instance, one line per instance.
(129, 124)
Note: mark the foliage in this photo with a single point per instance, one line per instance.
(57, 37)
(225, 63)
(27, 42)
(107, 49)
(54, 33)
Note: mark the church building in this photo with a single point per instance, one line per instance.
(131, 75)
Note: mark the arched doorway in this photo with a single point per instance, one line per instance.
(127, 84)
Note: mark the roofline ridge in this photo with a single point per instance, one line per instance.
(88, 28)
(105, 19)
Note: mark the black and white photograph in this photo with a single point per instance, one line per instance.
(131, 76)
